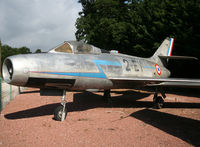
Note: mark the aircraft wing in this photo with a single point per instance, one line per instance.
(166, 82)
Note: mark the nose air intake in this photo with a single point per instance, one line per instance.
(13, 70)
(8, 70)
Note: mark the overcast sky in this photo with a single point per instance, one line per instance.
(38, 24)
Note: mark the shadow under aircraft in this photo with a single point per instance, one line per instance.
(87, 100)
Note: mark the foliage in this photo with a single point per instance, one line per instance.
(38, 51)
(6, 51)
(138, 27)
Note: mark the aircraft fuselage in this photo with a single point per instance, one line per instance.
(78, 71)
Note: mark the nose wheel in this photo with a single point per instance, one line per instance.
(60, 112)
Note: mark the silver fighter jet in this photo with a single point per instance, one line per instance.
(76, 66)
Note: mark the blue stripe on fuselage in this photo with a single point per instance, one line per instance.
(150, 67)
(100, 74)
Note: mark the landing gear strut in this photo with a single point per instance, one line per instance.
(60, 112)
(159, 100)
(106, 96)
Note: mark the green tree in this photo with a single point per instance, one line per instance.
(178, 19)
(6, 51)
(38, 51)
(23, 50)
(102, 24)
(138, 27)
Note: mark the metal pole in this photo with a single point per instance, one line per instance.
(10, 92)
(0, 57)
(1, 101)
(1, 104)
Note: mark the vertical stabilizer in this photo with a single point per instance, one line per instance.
(165, 49)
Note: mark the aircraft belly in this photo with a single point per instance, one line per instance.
(127, 84)
(50, 83)
(92, 83)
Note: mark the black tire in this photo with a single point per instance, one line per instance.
(159, 102)
(58, 113)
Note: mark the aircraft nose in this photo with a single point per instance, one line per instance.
(13, 71)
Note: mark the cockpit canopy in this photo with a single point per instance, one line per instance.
(77, 47)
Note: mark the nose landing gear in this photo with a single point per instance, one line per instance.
(60, 112)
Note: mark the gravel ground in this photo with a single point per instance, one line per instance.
(129, 121)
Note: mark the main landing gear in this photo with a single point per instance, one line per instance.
(159, 100)
(107, 98)
(106, 95)
(60, 112)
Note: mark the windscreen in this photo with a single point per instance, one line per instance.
(65, 47)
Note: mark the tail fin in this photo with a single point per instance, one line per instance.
(163, 53)
(165, 49)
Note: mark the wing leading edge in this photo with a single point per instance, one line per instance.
(167, 82)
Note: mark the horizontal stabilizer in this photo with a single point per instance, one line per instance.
(178, 57)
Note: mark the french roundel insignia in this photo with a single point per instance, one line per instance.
(158, 69)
